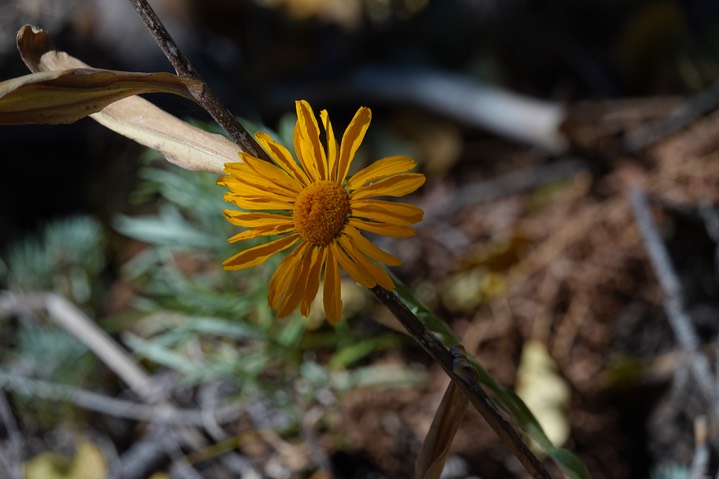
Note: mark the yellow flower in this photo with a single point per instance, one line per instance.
(319, 211)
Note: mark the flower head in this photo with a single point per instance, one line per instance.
(312, 206)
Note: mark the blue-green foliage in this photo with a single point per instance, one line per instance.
(67, 257)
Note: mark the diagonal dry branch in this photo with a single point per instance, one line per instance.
(678, 318)
(113, 406)
(205, 96)
(70, 317)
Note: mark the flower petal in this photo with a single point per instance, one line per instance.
(373, 270)
(259, 254)
(384, 229)
(348, 264)
(351, 140)
(273, 173)
(397, 185)
(392, 165)
(258, 202)
(319, 255)
(332, 149)
(298, 284)
(251, 183)
(310, 134)
(255, 219)
(369, 248)
(332, 289)
(387, 211)
(281, 280)
(282, 157)
(261, 231)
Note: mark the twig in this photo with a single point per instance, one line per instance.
(67, 315)
(13, 465)
(701, 455)
(477, 396)
(77, 323)
(144, 457)
(673, 296)
(504, 185)
(112, 406)
(678, 118)
(206, 97)
(711, 221)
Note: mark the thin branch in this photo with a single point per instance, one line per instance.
(112, 406)
(711, 221)
(501, 186)
(680, 117)
(14, 444)
(701, 455)
(70, 317)
(477, 396)
(678, 318)
(206, 97)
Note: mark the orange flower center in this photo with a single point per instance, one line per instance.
(320, 212)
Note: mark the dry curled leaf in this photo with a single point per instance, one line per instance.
(131, 116)
(65, 96)
(435, 449)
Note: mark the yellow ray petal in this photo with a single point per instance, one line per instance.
(397, 185)
(262, 231)
(332, 290)
(254, 219)
(250, 183)
(351, 140)
(273, 173)
(298, 284)
(369, 248)
(384, 229)
(332, 150)
(310, 132)
(259, 254)
(392, 165)
(387, 211)
(282, 278)
(301, 150)
(282, 157)
(375, 271)
(319, 254)
(352, 268)
(258, 202)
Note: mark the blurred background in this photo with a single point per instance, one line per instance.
(531, 120)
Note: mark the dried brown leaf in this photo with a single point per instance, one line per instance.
(136, 118)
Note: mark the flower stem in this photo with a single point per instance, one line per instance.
(481, 401)
(204, 96)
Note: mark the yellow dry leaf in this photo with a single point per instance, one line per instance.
(543, 391)
(87, 463)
